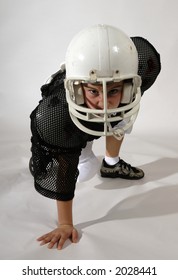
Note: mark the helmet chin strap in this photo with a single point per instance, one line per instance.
(117, 133)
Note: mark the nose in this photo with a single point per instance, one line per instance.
(100, 103)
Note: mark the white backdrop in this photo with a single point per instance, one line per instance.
(34, 36)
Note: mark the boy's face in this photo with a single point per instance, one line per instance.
(93, 95)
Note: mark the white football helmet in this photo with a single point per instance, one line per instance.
(102, 54)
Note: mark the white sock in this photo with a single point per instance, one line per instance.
(111, 160)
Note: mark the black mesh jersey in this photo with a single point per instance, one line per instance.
(149, 65)
(57, 142)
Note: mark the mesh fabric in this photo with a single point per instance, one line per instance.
(149, 62)
(57, 142)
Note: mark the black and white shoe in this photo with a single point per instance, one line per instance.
(121, 170)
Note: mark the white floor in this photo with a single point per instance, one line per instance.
(116, 219)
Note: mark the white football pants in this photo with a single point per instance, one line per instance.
(88, 164)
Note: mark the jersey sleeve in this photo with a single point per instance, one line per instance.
(56, 145)
(149, 65)
(55, 172)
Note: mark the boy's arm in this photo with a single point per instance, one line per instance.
(64, 209)
(65, 230)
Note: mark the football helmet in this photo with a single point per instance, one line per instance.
(102, 54)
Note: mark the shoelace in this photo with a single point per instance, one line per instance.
(124, 165)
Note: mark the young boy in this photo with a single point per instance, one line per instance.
(96, 93)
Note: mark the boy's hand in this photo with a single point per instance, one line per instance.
(59, 236)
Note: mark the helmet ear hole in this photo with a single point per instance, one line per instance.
(78, 91)
(127, 95)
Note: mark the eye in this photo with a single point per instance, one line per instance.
(91, 91)
(115, 91)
